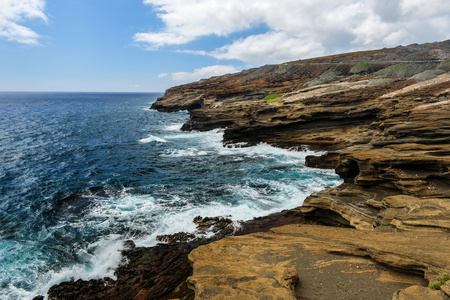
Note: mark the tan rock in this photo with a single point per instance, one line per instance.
(231, 270)
(265, 265)
(446, 288)
(390, 137)
(419, 293)
(411, 213)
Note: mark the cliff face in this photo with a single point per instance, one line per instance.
(384, 118)
(382, 115)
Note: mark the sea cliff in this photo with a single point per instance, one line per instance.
(382, 120)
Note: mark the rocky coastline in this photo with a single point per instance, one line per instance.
(382, 118)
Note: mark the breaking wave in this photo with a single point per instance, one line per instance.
(77, 185)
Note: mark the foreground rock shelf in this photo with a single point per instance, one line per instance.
(383, 119)
(269, 265)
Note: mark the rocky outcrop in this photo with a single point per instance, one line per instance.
(385, 127)
(160, 272)
(400, 177)
(269, 265)
(384, 119)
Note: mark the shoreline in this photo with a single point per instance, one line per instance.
(385, 127)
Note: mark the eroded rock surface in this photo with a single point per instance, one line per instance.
(383, 118)
(160, 272)
(268, 265)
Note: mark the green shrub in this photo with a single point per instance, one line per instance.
(405, 70)
(441, 281)
(335, 88)
(360, 67)
(327, 76)
(273, 98)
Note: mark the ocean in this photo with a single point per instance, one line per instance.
(80, 173)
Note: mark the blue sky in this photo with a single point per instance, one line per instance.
(151, 45)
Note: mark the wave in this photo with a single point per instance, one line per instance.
(184, 152)
(152, 138)
(173, 127)
(126, 215)
(153, 193)
(100, 260)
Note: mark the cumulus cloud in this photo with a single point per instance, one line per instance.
(297, 29)
(275, 47)
(13, 12)
(205, 72)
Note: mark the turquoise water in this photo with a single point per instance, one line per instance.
(80, 173)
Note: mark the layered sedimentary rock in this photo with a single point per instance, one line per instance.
(383, 116)
(384, 119)
(160, 272)
(268, 265)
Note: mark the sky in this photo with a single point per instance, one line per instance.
(152, 45)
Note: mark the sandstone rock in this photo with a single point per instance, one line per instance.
(389, 141)
(419, 293)
(411, 213)
(388, 138)
(328, 160)
(160, 272)
(446, 288)
(238, 266)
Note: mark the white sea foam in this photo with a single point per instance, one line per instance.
(104, 259)
(171, 222)
(152, 138)
(184, 152)
(173, 127)
(144, 217)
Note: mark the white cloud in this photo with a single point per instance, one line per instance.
(205, 72)
(275, 47)
(156, 40)
(13, 12)
(297, 29)
(162, 75)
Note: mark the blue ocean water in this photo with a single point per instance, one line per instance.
(82, 172)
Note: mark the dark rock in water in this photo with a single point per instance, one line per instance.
(147, 273)
(80, 289)
(329, 160)
(176, 237)
(129, 245)
(160, 272)
(39, 297)
(218, 225)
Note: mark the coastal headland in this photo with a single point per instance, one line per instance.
(381, 119)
